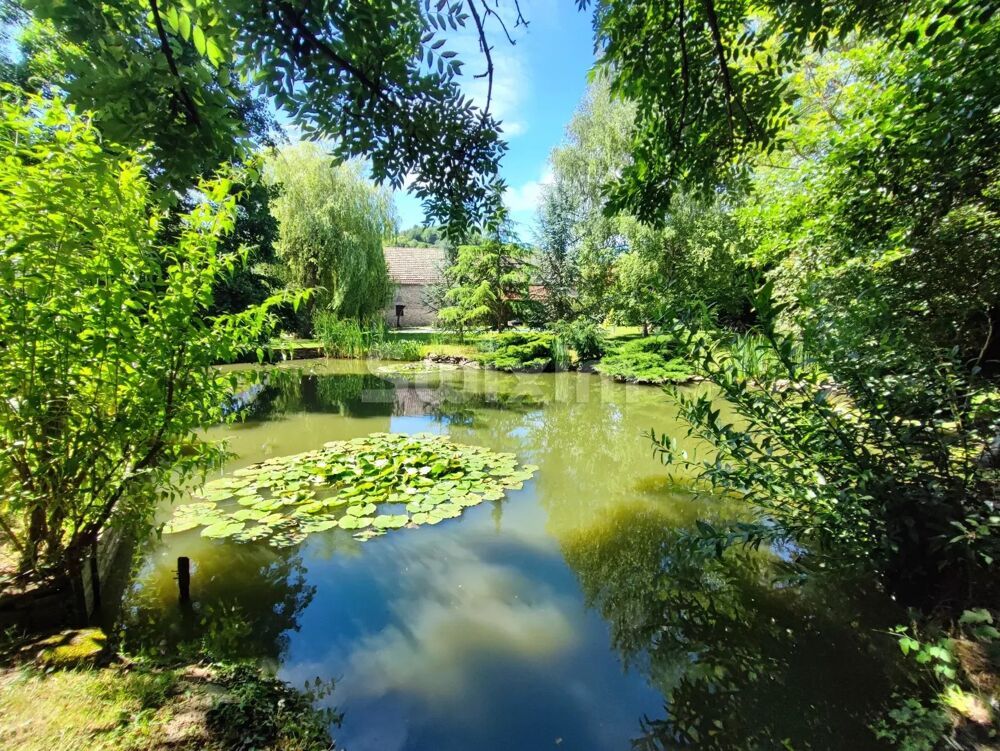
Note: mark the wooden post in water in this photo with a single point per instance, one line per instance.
(184, 578)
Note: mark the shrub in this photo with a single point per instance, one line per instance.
(260, 711)
(346, 337)
(583, 337)
(340, 337)
(645, 367)
(517, 350)
(109, 348)
(397, 349)
(890, 475)
(652, 359)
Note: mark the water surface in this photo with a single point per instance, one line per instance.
(572, 615)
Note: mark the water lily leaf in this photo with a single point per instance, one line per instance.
(290, 497)
(321, 525)
(448, 510)
(248, 514)
(365, 509)
(222, 483)
(311, 508)
(225, 528)
(390, 521)
(180, 524)
(355, 522)
(252, 533)
(217, 496)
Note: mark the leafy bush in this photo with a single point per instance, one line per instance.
(347, 337)
(583, 337)
(265, 712)
(109, 350)
(888, 476)
(649, 360)
(517, 350)
(341, 337)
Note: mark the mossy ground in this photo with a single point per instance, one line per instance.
(72, 648)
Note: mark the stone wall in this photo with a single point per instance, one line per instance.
(416, 312)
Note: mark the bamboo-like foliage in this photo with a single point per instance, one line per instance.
(107, 366)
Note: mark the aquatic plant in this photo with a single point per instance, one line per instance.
(366, 485)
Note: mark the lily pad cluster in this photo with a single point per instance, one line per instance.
(366, 485)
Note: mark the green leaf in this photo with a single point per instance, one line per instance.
(198, 37)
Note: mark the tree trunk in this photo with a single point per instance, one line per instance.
(38, 533)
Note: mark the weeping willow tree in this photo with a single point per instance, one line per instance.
(332, 221)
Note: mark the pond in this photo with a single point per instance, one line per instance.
(571, 615)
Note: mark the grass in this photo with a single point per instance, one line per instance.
(622, 333)
(97, 709)
(137, 706)
(294, 344)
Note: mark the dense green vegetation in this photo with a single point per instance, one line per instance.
(652, 359)
(331, 225)
(514, 350)
(487, 286)
(108, 357)
(799, 202)
(105, 701)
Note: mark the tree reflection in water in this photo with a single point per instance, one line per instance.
(745, 657)
(245, 601)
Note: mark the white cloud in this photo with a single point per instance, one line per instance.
(527, 196)
(453, 609)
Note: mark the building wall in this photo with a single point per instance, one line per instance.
(416, 312)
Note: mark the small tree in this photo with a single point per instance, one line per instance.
(637, 291)
(489, 285)
(331, 225)
(108, 348)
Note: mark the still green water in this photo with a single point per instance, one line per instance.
(569, 616)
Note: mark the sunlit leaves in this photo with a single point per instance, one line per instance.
(109, 355)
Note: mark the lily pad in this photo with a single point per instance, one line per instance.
(355, 522)
(390, 521)
(225, 528)
(352, 485)
(180, 524)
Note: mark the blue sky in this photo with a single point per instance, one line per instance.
(538, 84)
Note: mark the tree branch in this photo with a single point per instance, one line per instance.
(485, 47)
(720, 54)
(168, 53)
(685, 72)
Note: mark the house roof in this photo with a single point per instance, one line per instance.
(415, 265)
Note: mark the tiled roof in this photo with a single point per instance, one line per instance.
(415, 265)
